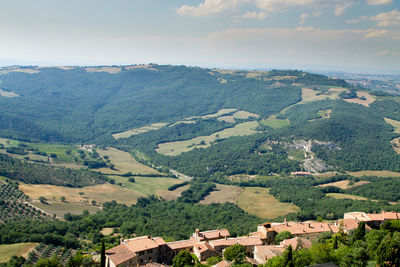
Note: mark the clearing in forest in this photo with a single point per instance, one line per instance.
(395, 124)
(146, 186)
(223, 194)
(61, 208)
(176, 148)
(124, 163)
(344, 184)
(171, 195)
(99, 193)
(375, 173)
(111, 70)
(259, 202)
(346, 196)
(140, 130)
(275, 123)
(18, 249)
(363, 98)
(396, 145)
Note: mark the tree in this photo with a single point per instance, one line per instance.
(112, 166)
(94, 202)
(282, 236)
(103, 255)
(132, 180)
(182, 259)
(288, 257)
(359, 233)
(63, 199)
(388, 252)
(43, 200)
(235, 253)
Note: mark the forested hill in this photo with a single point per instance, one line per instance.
(206, 122)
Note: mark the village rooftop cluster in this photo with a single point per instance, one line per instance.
(259, 246)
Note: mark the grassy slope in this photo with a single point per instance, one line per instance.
(258, 201)
(19, 249)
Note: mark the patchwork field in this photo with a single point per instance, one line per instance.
(171, 195)
(140, 130)
(275, 123)
(345, 184)
(375, 173)
(396, 144)
(364, 98)
(146, 186)
(19, 249)
(124, 162)
(223, 194)
(99, 193)
(345, 196)
(60, 208)
(111, 70)
(258, 201)
(176, 148)
(395, 124)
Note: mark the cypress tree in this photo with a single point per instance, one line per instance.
(103, 255)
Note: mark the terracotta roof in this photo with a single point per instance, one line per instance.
(203, 246)
(303, 227)
(244, 241)
(258, 234)
(120, 254)
(362, 216)
(305, 243)
(268, 252)
(348, 224)
(181, 244)
(144, 243)
(213, 234)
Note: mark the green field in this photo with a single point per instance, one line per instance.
(275, 123)
(146, 185)
(297, 154)
(176, 148)
(19, 249)
(61, 208)
(258, 201)
(345, 196)
(124, 162)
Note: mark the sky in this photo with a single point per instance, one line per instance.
(327, 35)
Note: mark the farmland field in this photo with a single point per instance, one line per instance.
(345, 196)
(375, 173)
(146, 186)
(124, 162)
(19, 249)
(135, 131)
(61, 208)
(395, 124)
(171, 195)
(344, 184)
(258, 201)
(99, 193)
(223, 193)
(176, 148)
(368, 99)
(275, 123)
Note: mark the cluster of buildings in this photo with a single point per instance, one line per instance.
(259, 246)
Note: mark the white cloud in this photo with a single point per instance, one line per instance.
(357, 20)
(255, 15)
(341, 7)
(209, 7)
(379, 2)
(303, 18)
(391, 18)
(279, 5)
(373, 33)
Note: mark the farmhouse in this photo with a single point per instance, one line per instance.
(373, 220)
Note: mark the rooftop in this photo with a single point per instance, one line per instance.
(144, 243)
(120, 254)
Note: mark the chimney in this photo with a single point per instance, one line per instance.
(285, 221)
(121, 241)
(197, 231)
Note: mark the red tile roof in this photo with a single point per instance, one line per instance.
(144, 243)
(303, 227)
(305, 243)
(244, 241)
(120, 254)
(181, 244)
(213, 234)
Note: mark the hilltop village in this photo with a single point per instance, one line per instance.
(259, 246)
